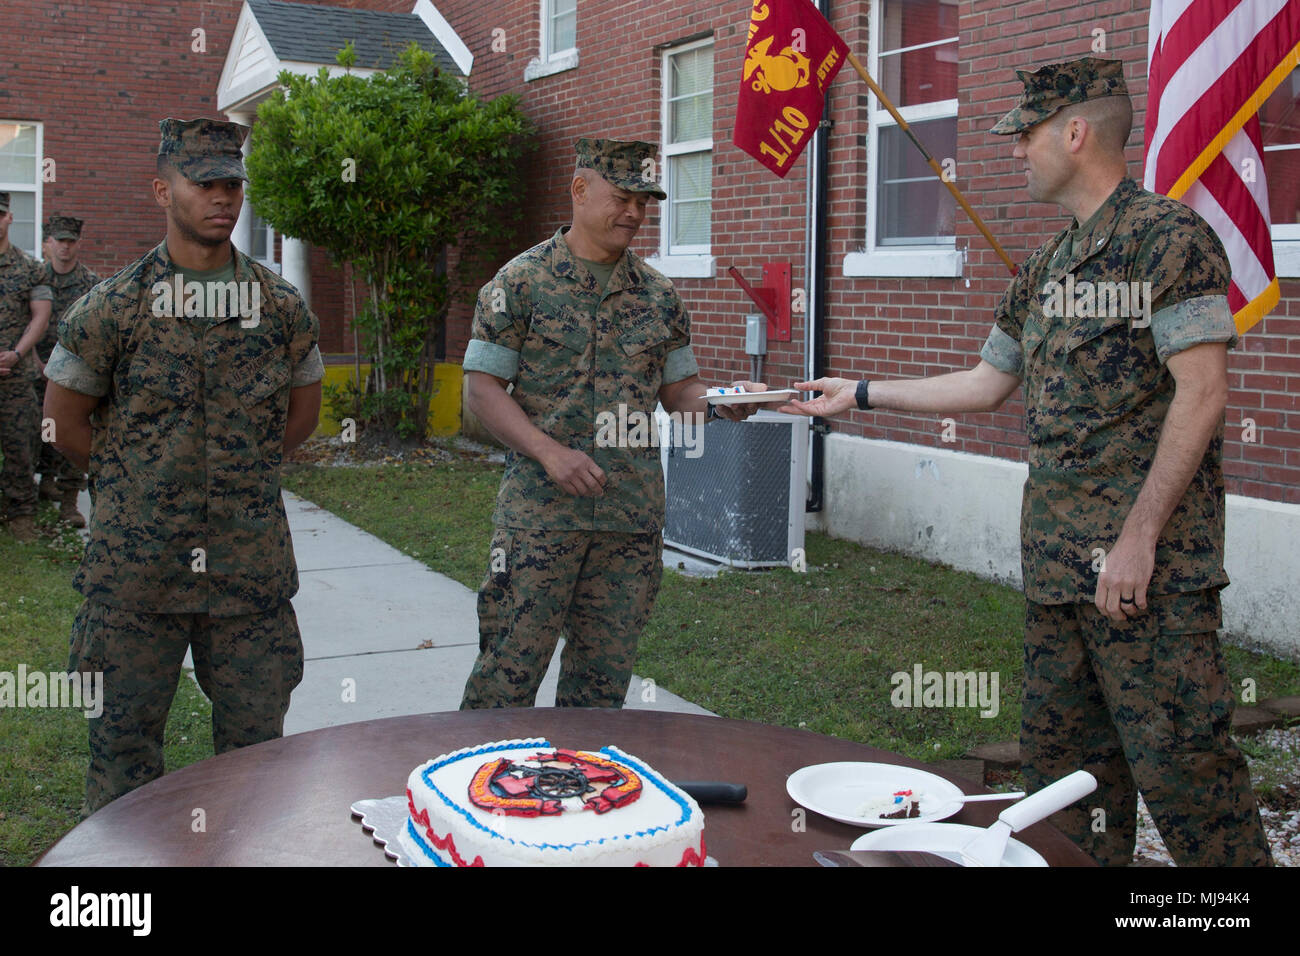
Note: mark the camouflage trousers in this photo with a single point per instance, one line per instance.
(17, 484)
(1143, 706)
(596, 587)
(47, 461)
(247, 666)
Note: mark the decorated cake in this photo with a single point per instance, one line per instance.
(528, 803)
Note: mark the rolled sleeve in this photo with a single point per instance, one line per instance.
(1191, 322)
(304, 345)
(1184, 272)
(75, 374)
(88, 333)
(41, 293)
(491, 358)
(500, 325)
(310, 370)
(1003, 349)
(1003, 353)
(680, 364)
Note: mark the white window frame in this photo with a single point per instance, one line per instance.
(685, 261)
(1286, 237)
(941, 260)
(270, 233)
(547, 63)
(11, 186)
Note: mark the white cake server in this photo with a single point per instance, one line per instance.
(987, 848)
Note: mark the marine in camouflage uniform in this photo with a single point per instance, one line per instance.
(24, 315)
(1143, 704)
(1138, 697)
(61, 480)
(189, 543)
(578, 337)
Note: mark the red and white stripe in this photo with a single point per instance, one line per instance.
(1211, 65)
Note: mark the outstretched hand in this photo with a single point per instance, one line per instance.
(838, 395)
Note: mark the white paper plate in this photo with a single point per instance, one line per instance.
(754, 398)
(945, 840)
(838, 791)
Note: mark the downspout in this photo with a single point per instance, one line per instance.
(815, 274)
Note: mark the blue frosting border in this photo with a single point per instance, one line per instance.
(420, 842)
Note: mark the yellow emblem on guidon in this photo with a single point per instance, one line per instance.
(787, 70)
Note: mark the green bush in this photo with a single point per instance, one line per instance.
(391, 173)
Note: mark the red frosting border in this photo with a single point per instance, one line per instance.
(447, 844)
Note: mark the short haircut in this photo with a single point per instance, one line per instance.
(1109, 117)
(164, 167)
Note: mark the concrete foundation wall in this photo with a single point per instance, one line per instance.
(963, 510)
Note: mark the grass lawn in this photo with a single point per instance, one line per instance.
(815, 649)
(43, 751)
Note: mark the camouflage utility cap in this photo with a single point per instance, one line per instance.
(63, 227)
(1051, 87)
(4, 202)
(204, 149)
(627, 165)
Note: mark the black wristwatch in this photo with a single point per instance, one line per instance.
(864, 402)
(713, 413)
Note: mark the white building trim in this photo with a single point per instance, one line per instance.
(448, 37)
(963, 510)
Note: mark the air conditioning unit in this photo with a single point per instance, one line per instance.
(737, 490)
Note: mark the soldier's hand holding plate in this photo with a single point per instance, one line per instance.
(738, 413)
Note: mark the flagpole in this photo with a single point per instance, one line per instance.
(952, 187)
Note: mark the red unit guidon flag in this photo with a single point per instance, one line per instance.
(791, 59)
(1211, 64)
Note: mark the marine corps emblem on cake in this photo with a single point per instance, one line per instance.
(551, 783)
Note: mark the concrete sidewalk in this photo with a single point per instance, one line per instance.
(364, 608)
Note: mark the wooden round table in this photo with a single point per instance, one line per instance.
(286, 802)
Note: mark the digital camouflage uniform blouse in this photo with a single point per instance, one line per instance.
(573, 353)
(1097, 389)
(187, 441)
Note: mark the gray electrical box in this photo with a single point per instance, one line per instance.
(755, 335)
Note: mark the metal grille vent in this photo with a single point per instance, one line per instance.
(741, 501)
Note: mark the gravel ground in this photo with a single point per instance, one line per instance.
(1282, 825)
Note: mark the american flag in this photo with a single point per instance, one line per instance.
(1211, 65)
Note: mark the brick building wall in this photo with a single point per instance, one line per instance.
(99, 75)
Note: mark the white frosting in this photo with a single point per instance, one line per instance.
(656, 829)
(881, 806)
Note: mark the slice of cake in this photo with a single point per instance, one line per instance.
(899, 805)
(527, 803)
